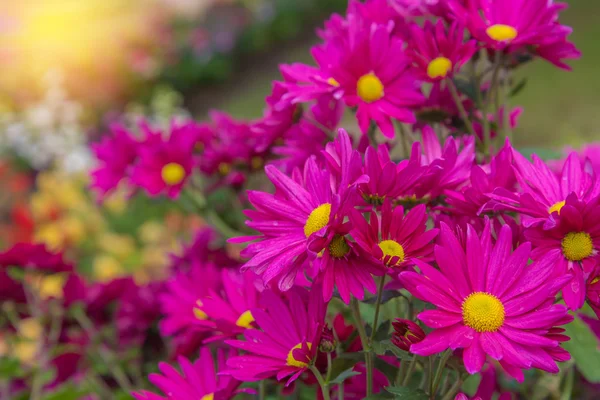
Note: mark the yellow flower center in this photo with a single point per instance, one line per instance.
(318, 219)
(333, 82)
(338, 247)
(556, 207)
(245, 320)
(439, 67)
(172, 174)
(483, 312)
(501, 32)
(224, 169)
(369, 88)
(391, 248)
(198, 313)
(595, 280)
(209, 396)
(256, 162)
(577, 245)
(292, 362)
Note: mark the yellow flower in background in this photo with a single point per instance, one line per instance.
(107, 268)
(51, 235)
(151, 232)
(29, 335)
(48, 286)
(120, 246)
(73, 229)
(116, 202)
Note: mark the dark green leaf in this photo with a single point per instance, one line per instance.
(583, 347)
(341, 366)
(385, 297)
(406, 393)
(381, 348)
(466, 87)
(344, 375)
(518, 87)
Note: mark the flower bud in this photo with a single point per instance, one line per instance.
(406, 333)
(327, 344)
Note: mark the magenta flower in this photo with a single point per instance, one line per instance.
(231, 311)
(484, 179)
(543, 193)
(438, 53)
(196, 381)
(288, 338)
(344, 265)
(165, 165)
(388, 180)
(518, 25)
(489, 302)
(396, 239)
(593, 290)
(571, 245)
(406, 333)
(369, 72)
(355, 387)
(294, 223)
(181, 303)
(115, 155)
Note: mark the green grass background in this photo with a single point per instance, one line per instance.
(561, 107)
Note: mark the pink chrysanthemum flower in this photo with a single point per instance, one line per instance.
(196, 381)
(484, 179)
(448, 168)
(388, 180)
(165, 165)
(518, 25)
(232, 311)
(396, 239)
(344, 265)
(489, 302)
(288, 339)
(115, 155)
(181, 304)
(571, 245)
(439, 53)
(294, 223)
(593, 290)
(369, 72)
(543, 193)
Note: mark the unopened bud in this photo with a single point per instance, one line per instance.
(406, 333)
(327, 344)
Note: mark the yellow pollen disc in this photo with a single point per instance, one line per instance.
(224, 168)
(209, 396)
(483, 312)
(595, 280)
(198, 313)
(172, 174)
(256, 162)
(333, 82)
(369, 88)
(577, 245)
(501, 32)
(292, 362)
(338, 246)
(318, 219)
(439, 68)
(245, 320)
(392, 248)
(556, 207)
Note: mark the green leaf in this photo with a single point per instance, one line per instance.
(10, 368)
(518, 87)
(471, 384)
(466, 87)
(406, 393)
(16, 273)
(341, 366)
(583, 347)
(65, 392)
(381, 348)
(379, 396)
(344, 375)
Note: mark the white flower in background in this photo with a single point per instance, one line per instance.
(49, 133)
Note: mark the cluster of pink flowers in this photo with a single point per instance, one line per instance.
(439, 207)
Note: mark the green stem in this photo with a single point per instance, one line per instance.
(365, 343)
(453, 389)
(409, 371)
(322, 383)
(262, 389)
(430, 374)
(491, 91)
(211, 215)
(440, 371)
(461, 107)
(377, 308)
(568, 390)
(329, 369)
